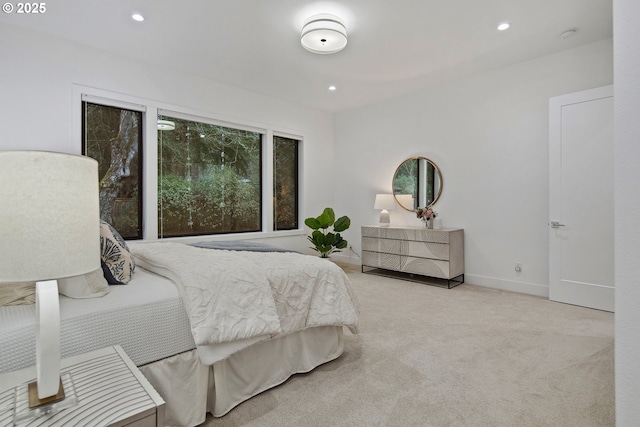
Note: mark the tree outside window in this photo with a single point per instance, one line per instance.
(113, 136)
(209, 179)
(285, 183)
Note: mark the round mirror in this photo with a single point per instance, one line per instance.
(417, 183)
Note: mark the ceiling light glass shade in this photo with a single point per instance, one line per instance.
(166, 125)
(324, 34)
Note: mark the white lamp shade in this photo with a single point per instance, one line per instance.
(384, 201)
(49, 216)
(324, 34)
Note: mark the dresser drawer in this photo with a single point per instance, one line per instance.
(407, 264)
(389, 233)
(407, 247)
(409, 234)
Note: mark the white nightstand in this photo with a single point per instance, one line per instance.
(110, 389)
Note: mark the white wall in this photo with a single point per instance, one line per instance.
(627, 205)
(37, 77)
(489, 134)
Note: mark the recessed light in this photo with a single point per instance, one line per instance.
(137, 17)
(332, 88)
(504, 26)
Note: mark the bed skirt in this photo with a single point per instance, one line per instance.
(191, 389)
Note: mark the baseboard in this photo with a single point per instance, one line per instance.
(472, 279)
(508, 285)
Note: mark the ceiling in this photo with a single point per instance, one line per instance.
(394, 47)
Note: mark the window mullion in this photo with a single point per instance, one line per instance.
(267, 188)
(150, 174)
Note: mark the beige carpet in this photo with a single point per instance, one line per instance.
(467, 356)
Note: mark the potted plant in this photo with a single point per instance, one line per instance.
(326, 240)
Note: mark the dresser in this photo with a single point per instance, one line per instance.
(414, 253)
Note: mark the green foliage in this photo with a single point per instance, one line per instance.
(209, 179)
(219, 201)
(324, 240)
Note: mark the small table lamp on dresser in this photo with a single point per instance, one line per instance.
(384, 202)
(49, 230)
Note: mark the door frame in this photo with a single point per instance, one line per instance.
(564, 292)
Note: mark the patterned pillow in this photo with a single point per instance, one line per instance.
(117, 262)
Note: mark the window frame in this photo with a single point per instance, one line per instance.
(141, 149)
(150, 108)
(261, 132)
(298, 147)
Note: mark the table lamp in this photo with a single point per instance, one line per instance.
(49, 230)
(384, 202)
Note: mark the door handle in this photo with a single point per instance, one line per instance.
(556, 224)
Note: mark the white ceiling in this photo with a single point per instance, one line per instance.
(395, 46)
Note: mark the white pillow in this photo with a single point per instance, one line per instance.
(90, 285)
(17, 293)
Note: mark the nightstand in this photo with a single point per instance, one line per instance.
(110, 389)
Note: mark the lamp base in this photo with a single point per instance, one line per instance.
(23, 410)
(385, 219)
(35, 401)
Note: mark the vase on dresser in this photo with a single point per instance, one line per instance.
(429, 223)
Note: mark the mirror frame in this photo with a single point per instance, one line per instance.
(438, 171)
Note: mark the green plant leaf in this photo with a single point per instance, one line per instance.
(325, 220)
(319, 238)
(330, 239)
(331, 214)
(341, 244)
(342, 224)
(312, 223)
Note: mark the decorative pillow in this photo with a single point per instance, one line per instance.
(17, 293)
(90, 285)
(117, 262)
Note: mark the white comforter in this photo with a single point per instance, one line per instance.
(240, 296)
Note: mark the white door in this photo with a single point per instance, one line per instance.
(581, 259)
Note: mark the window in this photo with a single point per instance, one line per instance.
(209, 179)
(113, 136)
(201, 176)
(285, 183)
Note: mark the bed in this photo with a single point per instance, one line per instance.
(209, 328)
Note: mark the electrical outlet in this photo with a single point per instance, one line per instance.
(518, 267)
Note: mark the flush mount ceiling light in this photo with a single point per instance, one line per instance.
(324, 34)
(504, 26)
(137, 17)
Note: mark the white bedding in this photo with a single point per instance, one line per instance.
(243, 297)
(146, 317)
